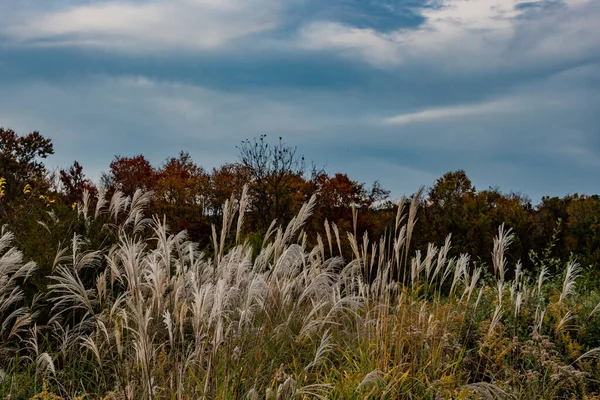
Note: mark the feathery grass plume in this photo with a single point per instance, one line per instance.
(325, 347)
(318, 391)
(568, 287)
(136, 217)
(300, 219)
(118, 204)
(70, 293)
(495, 319)
(563, 323)
(479, 296)
(518, 273)
(242, 205)
(354, 219)
(595, 352)
(101, 203)
(410, 224)
(471, 282)
(373, 378)
(501, 243)
(595, 310)
(542, 277)
(400, 215)
(83, 207)
(518, 302)
(15, 318)
(336, 231)
(329, 237)
(442, 258)
(538, 320)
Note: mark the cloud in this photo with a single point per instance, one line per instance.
(469, 35)
(438, 113)
(375, 48)
(152, 25)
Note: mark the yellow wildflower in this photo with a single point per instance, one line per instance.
(27, 189)
(73, 206)
(45, 394)
(2, 186)
(47, 199)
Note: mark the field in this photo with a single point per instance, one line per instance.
(152, 317)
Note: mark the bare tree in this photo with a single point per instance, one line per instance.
(276, 174)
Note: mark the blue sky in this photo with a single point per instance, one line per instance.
(395, 91)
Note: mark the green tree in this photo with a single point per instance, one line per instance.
(20, 161)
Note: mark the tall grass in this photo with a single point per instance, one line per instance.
(152, 317)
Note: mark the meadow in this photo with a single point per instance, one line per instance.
(149, 315)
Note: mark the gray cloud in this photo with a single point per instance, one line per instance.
(149, 26)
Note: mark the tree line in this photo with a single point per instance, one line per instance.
(279, 181)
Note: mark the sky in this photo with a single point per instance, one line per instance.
(396, 91)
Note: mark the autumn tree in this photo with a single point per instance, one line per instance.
(127, 174)
(74, 183)
(276, 178)
(180, 194)
(336, 195)
(227, 180)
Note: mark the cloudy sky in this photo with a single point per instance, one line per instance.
(399, 91)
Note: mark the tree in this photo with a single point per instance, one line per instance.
(229, 179)
(450, 188)
(583, 228)
(378, 195)
(181, 182)
(127, 174)
(180, 190)
(20, 160)
(74, 183)
(276, 178)
(337, 194)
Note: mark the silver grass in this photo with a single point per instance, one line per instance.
(70, 293)
(318, 391)
(101, 203)
(495, 319)
(373, 378)
(325, 347)
(336, 231)
(568, 287)
(329, 237)
(564, 322)
(242, 205)
(543, 276)
(501, 243)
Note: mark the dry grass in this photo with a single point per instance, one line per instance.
(161, 320)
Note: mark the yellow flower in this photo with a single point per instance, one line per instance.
(27, 189)
(73, 206)
(47, 199)
(2, 185)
